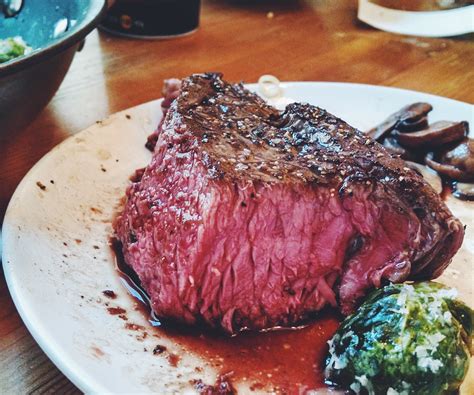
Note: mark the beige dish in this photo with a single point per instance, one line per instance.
(57, 261)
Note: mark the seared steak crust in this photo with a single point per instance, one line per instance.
(248, 217)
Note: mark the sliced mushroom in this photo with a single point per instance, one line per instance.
(392, 146)
(413, 126)
(463, 191)
(407, 115)
(436, 135)
(446, 170)
(457, 163)
(461, 156)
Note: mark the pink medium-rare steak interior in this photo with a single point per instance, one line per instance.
(251, 218)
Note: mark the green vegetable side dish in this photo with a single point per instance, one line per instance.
(404, 339)
(12, 48)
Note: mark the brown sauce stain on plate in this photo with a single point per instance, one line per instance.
(285, 360)
(174, 359)
(116, 310)
(97, 352)
(159, 349)
(134, 327)
(41, 185)
(110, 294)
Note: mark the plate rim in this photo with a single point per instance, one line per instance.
(67, 366)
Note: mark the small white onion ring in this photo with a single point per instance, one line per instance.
(269, 86)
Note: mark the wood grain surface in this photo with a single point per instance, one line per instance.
(294, 40)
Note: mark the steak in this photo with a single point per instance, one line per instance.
(251, 218)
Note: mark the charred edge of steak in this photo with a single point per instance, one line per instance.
(246, 138)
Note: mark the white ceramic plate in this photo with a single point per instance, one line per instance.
(444, 23)
(55, 241)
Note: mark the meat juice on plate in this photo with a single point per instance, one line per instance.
(323, 212)
(287, 360)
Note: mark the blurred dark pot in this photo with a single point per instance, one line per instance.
(152, 18)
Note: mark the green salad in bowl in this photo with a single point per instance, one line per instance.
(13, 47)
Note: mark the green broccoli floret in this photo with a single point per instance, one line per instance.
(11, 48)
(404, 339)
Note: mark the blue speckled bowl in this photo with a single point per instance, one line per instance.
(28, 83)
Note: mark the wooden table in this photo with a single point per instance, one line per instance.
(294, 40)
